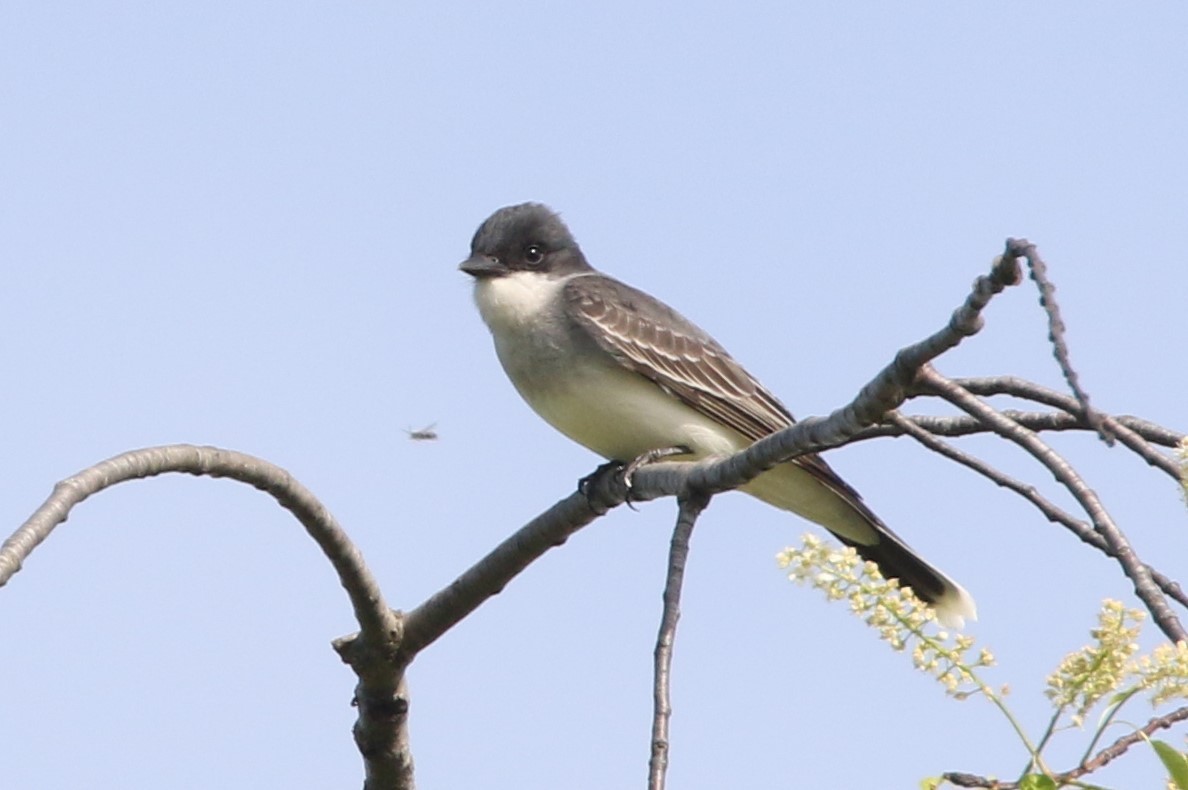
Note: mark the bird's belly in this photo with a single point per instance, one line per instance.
(634, 416)
(620, 415)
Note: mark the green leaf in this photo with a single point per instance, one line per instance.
(1037, 782)
(1175, 761)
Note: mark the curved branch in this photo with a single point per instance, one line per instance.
(380, 684)
(356, 579)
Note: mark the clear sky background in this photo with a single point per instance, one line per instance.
(239, 224)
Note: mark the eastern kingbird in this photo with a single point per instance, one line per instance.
(622, 373)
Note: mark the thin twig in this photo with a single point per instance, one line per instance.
(964, 425)
(1103, 758)
(1134, 434)
(1081, 529)
(1135, 570)
(690, 508)
(1119, 747)
(1019, 387)
(1039, 274)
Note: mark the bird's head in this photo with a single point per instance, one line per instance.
(528, 237)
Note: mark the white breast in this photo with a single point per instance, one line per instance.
(576, 387)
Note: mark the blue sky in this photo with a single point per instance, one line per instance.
(238, 224)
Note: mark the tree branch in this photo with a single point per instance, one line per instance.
(1053, 513)
(1119, 747)
(1136, 571)
(1039, 274)
(1130, 431)
(963, 425)
(690, 508)
(487, 577)
(885, 392)
(1100, 760)
(380, 628)
(360, 585)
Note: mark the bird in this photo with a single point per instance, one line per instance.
(618, 371)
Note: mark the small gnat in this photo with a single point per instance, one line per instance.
(426, 434)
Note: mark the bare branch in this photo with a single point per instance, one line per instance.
(1039, 274)
(1053, 513)
(1135, 434)
(356, 579)
(1136, 571)
(886, 391)
(690, 508)
(964, 425)
(381, 629)
(488, 576)
(381, 729)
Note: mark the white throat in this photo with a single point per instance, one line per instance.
(516, 300)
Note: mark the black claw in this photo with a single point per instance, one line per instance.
(587, 482)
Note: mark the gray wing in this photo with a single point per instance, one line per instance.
(653, 340)
(648, 337)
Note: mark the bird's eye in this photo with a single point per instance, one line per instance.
(534, 254)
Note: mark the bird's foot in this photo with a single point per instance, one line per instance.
(588, 483)
(651, 457)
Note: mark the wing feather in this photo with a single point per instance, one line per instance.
(651, 339)
(674, 354)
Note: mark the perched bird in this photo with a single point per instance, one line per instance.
(621, 373)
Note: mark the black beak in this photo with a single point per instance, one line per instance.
(483, 266)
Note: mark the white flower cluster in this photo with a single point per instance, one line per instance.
(901, 618)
